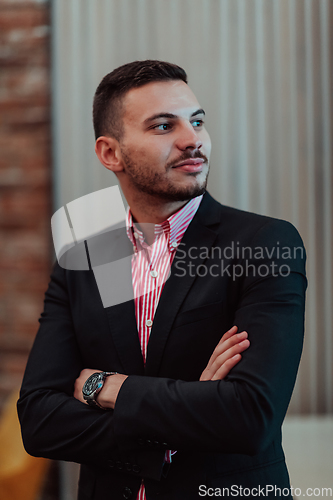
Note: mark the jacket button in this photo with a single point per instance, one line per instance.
(149, 443)
(136, 469)
(128, 466)
(141, 441)
(111, 464)
(127, 493)
(119, 465)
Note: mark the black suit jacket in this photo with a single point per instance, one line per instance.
(232, 268)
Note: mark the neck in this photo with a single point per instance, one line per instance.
(149, 209)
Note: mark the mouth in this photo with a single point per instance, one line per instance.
(190, 165)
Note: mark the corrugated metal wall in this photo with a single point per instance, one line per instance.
(262, 69)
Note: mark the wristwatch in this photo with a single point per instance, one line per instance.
(93, 386)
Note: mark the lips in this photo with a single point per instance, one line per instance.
(190, 165)
(190, 161)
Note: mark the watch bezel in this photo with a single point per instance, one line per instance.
(92, 387)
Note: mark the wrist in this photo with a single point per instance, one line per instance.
(107, 396)
(92, 387)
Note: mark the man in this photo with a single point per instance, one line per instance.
(190, 412)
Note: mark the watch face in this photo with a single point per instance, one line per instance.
(92, 383)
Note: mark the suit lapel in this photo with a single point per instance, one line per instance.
(178, 285)
(110, 256)
(125, 337)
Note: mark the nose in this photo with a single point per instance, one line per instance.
(188, 137)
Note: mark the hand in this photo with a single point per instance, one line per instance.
(108, 395)
(226, 355)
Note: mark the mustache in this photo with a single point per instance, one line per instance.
(188, 156)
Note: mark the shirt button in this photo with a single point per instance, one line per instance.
(136, 469)
(153, 273)
(149, 322)
(136, 236)
(127, 493)
(174, 244)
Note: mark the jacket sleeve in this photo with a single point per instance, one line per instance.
(54, 424)
(244, 412)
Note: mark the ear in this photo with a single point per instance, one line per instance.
(108, 153)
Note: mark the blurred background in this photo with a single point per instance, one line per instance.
(262, 70)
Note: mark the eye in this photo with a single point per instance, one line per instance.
(198, 123)
(163, 127)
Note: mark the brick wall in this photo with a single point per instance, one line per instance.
(25, 171)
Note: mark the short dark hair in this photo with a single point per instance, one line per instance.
(107, 105)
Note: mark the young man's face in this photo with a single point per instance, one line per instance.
(165, 148)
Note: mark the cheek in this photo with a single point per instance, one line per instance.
(207, 144)
(155, 154)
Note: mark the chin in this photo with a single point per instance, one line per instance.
(184, 194)
(196, 187)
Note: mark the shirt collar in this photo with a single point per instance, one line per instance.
(173, 227)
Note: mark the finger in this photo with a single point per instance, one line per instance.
(227, 344)
(224, 346)
(224, 337)
(237, 348)
(206, 375)
(224, 370)
(227, 355)
(228, 334)
(86, 372)
(210, 371)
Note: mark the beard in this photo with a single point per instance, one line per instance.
(157, 184)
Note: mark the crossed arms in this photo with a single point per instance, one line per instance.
(225, 356)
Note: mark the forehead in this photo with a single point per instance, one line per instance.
(173, 96)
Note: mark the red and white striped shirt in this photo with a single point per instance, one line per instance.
(151, 268)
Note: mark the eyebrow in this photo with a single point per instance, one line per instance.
(171, 116)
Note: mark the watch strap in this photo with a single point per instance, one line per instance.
(105, 375)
